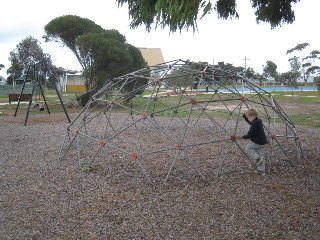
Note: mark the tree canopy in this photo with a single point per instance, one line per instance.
(66, 29)
(270, 70)
(177, 14)
(103, 54)
(302, 62)
(27, 53)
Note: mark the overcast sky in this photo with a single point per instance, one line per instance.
(217, 40)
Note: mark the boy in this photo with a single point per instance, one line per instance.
(258, 137)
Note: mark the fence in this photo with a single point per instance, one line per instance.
(9, 89)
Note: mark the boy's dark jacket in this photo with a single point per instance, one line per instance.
(256, 132)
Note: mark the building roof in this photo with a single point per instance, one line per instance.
(152, 56)
(21, 79)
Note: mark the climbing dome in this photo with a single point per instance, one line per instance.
(178, 118)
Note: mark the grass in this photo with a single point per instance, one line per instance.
(312, 119)
(300, 97)
(307, 97)
(51, 99)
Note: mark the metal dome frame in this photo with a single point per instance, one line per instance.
(214, 107)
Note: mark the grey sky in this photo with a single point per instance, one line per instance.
(217, 40)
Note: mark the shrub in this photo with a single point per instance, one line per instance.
(317, 82)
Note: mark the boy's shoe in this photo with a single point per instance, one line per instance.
(261, 173)
(259, 160)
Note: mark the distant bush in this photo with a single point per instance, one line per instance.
(84, 98)
(317, 82)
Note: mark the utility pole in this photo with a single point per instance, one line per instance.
(245, 62)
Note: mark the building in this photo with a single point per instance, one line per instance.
(73, 81)
(152, 56)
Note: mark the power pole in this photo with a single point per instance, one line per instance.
(245, 62)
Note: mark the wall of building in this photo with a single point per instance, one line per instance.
(152, 56)
(76, 88)
(75, 83)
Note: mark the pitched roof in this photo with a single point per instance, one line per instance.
(152, 56)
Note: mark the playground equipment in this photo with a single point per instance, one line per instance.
(37, 68)
(128, 131)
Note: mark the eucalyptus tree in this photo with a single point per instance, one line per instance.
(251, 74)
(26, 54)
(103, 54)
(289, 78)
(270, 70)
(178, 15)
(107, 55)
(303, 62)
(67, 29)
(317, 82)
(314, 66)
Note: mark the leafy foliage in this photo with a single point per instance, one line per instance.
(67, 29)
(299, 47)
(270, 70)
(289, 78)
(317, 82)
(275, 12)
(177, 14)
(27, 53)
(103, 54)
(305, 64)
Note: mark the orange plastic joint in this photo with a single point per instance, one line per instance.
(102, 142)
(273, 136)
(144, 115)
(193, 101)
(183, 91)
(242, 98)
(134, 155)
(233, 138)
(179, 146)
(76, 130)
(157, 79)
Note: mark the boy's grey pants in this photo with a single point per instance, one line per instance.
(257, 151)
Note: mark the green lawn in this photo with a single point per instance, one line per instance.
(303, 98)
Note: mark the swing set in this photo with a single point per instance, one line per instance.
(48, 74)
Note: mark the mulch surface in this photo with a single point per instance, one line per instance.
(43, 197)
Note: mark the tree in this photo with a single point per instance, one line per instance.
(314, 67)
(270, 70)
(289, 78)
(26, 54)
(303, 63)
(317, 82)
(183, 81)
(103, 54)
(249, 73)
(67, 29)
(107, 57)
(177, 14)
